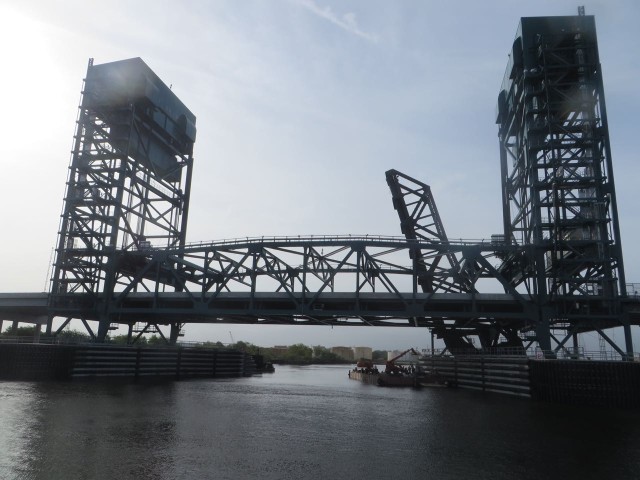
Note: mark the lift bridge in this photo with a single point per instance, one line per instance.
(554, 273)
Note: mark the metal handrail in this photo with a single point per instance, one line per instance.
(50, 340)
(330, 238)
(534, 354)
(633, 290)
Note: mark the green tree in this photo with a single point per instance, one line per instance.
(207, 344)
(19, 332)
(119, 339)
(122, 340)
(156, 340)
(299, 353)
(379, 356)
(73, 336)
(247, 347)
(240, 345)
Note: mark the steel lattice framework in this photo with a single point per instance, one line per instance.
(420, 220)
(557, 176)
(336, 281)
(445, 270)
(122, 257)
(129, 178)
(290, 280)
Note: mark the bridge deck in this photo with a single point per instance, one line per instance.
(28, 307)
(353, 309)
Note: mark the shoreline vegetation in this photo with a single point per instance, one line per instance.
(296, 354)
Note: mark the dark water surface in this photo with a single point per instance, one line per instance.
(303, 422)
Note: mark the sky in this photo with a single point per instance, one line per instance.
(301, 107)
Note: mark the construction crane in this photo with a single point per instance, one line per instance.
(391, 367)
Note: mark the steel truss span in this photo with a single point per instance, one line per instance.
(353, 280)
(323, 281)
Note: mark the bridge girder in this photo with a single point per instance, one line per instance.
(332, 281)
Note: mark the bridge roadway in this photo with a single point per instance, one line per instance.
(282, 308)
(24, 307)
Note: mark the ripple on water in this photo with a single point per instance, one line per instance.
(303, 423)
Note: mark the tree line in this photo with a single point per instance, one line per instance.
(297, 353)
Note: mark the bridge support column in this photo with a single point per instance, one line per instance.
(628, 340)
(37, 329)
(103, 329)
(130, 334)
(1, 322)
(432, 341)
(543, 335)
(175, 333)
(14, 325)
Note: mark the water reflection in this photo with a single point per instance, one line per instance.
(19, 406)
(303, 422)
(100, 431)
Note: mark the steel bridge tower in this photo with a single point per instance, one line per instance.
(558, 192)
(128, 186)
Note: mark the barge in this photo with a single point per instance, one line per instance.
(423, 379)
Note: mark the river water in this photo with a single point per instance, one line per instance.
(308, 422)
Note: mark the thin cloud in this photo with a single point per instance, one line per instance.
(347, 21)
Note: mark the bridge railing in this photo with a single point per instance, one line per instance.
(47, 340)
(42, 339)
(535, 353)
(324, 238)
(633, 290)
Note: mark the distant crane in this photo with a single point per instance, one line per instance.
(391, 366)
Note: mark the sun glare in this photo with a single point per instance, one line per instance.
(28, 67)
(23, 41)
